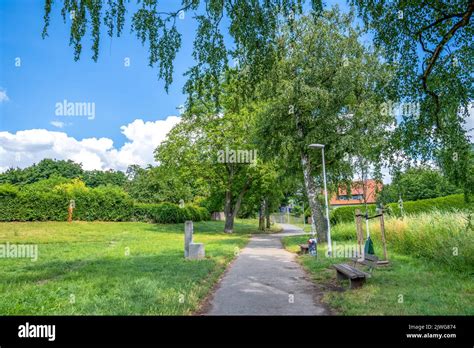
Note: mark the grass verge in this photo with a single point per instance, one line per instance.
(408, 286)
(113, 268)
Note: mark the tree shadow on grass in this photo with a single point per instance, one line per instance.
(128, 285)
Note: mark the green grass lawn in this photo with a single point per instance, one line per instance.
(83, 267)
(408, 286)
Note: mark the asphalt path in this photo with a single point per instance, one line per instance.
(265, 279)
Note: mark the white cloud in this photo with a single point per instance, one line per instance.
(3, 96)
(26, 147)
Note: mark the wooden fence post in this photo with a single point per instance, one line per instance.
(360, 237)
(72, 205)
(382, 232)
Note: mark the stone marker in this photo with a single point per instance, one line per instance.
(188, 236)
(196, 251)
(192, 251)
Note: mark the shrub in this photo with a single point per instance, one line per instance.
(143, 212)
(169, 213)
(105, 203)
(346, 214)
(297, 210)
(45, 185)
(8, 190)
(447, 203)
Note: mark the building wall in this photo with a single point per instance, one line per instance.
(357, 189)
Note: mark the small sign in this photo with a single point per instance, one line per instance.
(72, 204)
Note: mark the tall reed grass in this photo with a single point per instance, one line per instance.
(444, 237)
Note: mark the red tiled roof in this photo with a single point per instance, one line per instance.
(357, 188)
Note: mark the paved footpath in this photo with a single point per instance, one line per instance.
(265, 279)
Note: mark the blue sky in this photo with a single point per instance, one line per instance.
(48, 74)
(132, 108)
(133, 113)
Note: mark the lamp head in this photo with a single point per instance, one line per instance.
(317, 146)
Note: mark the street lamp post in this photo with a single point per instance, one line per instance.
(304, 217)
(321, 146)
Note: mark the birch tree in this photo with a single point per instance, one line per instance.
(327, 88)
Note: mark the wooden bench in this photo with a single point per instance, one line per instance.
(356, 277)
(304, 248)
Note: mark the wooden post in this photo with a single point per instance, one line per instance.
(72, 205)
(382, 232)
(360, 237)
(69, 216)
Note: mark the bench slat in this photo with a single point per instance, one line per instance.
(350, 272)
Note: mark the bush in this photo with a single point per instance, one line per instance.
(447, 203)
(346, 214)
(297, 211)
(104, 203)
(8, 190)
(169, 213)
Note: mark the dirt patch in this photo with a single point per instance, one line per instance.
(318, 289)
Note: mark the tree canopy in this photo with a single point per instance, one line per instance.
(290, 75)
(417, 183)
(430, 44)
(67, 169)
(327, 88)
(252, 27)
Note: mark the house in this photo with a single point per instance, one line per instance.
(356, 196)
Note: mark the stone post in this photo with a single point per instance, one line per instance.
(188, 236)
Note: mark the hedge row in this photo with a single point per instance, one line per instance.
(344, 214)
(169, 213)
(447, 203)
(103, 203)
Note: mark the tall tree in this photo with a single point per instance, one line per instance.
(216, 150)
(95, 178)
(430, 45)
(326, 88)
(417, 183)
(44, 169)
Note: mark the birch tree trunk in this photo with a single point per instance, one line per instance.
(318, 220)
